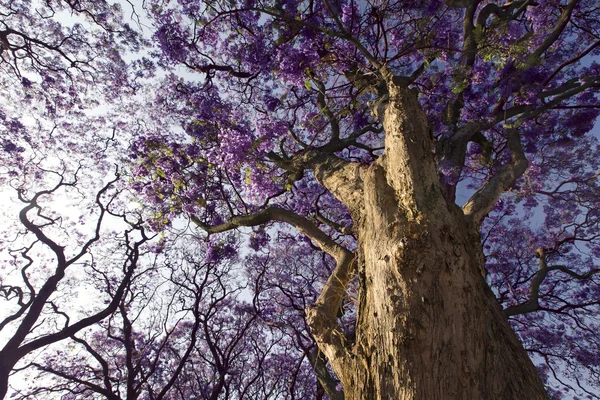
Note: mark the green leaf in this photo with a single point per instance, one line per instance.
(248, 173)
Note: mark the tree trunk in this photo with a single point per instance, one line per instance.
(428, 327)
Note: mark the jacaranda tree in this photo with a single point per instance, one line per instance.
(414, 184)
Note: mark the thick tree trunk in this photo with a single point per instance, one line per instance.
(428, 326)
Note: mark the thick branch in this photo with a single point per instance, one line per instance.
(275, 213)
(574, 274)
(534, 57)
(322, 103)
(86, 322)
(469, 50)
(322, 316)
(319, 365)
(482, 201)
(505, 12)
(51, 283)
(342, 178)
(345, 230)
(209, 69)
(451, 152)
(534, 290)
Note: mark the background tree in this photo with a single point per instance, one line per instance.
(180, 331)
(39, 309)
(62, 76)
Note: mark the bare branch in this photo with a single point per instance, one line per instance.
(533, 303)
(319, 365)
(322, 103)
(322, 316)
(534, 290)
(275, 213)
(510, 10)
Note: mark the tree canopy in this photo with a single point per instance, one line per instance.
(245, 138)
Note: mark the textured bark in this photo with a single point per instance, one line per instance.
(428, 326)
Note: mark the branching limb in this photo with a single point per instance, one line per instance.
(100, 360)
(510, 10)
(14, 349)
(342, 33)
(62, 263)
(571, 61)
(364, 82)
(322, 316)
(574, 274)
(534, 290)
(345, 230)
(469, 51)
(130, 266)
(322, 103)
(210, 69)
(533, 303)
(9, 292)
(346, 35)
(319, 365)
(482, 201)
(342, 178)
(563, 93)
(275, 213)
(564, 19)
(72, 378)
(451, 152)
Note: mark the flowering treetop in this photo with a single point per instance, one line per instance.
(264, 99)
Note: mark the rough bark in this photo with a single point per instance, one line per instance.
(428, 326)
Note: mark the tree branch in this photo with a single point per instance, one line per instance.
(275, 213)
(505, 12)
(322, 103)
(325, 379)
(322, 316)
(482, 201)
(342, 178)
(533, 303)
(534, 290)
(451, 152)
(91, 386)
(534, 57)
